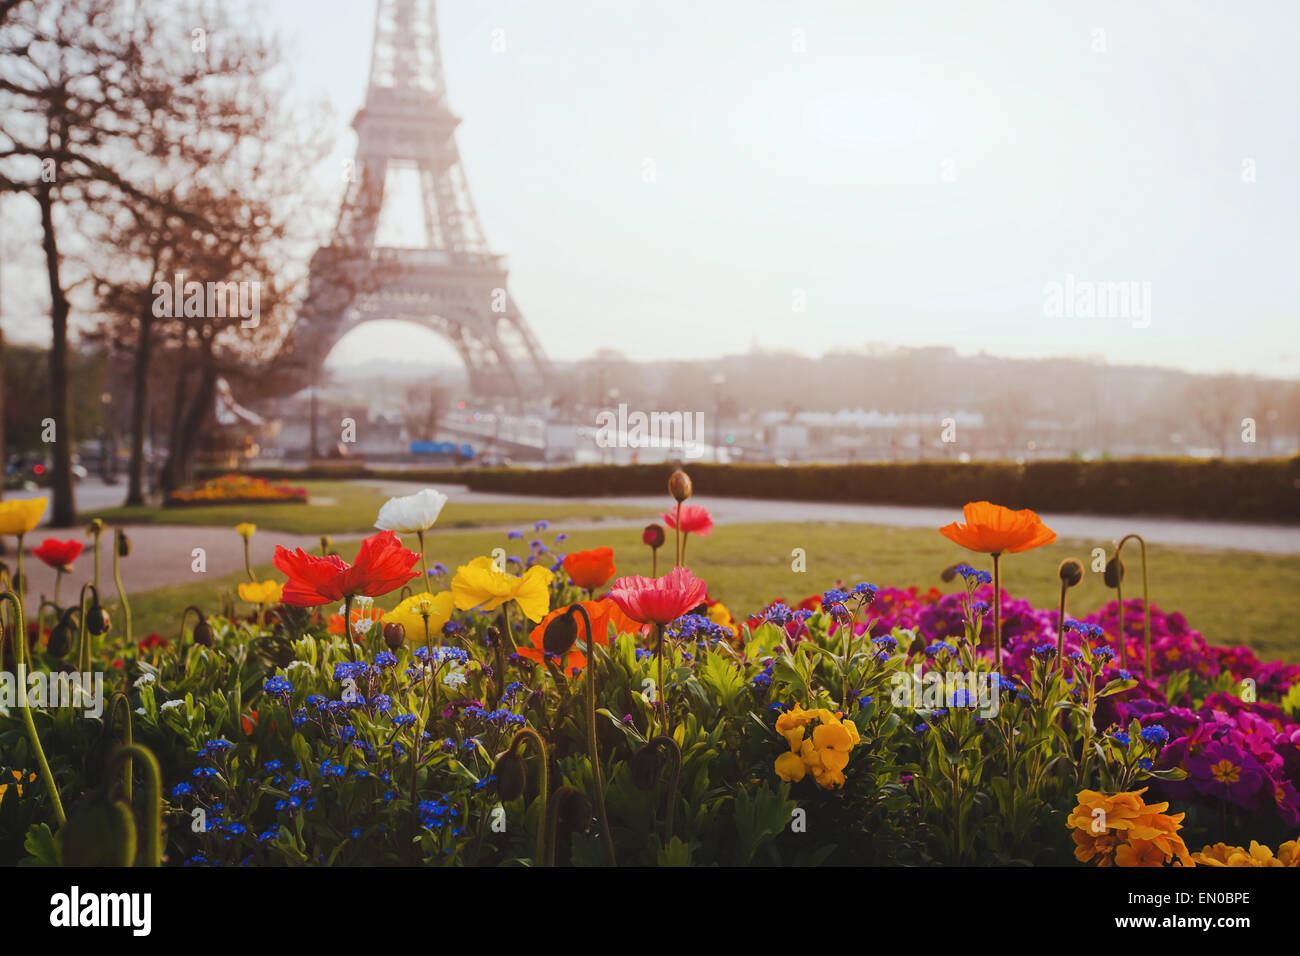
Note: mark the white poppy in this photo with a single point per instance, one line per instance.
(412, 513)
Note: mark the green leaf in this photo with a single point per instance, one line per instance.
(1117, 686)
(44, 848)
(676, 853)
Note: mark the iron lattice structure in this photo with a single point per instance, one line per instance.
(454, 284)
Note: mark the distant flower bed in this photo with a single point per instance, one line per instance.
(237, 489)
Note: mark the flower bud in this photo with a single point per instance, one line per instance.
(1114, 573)
(96, 526)
(1070, 572)
(512, 775)
(97, 620)
(679, 485)
(560, 634)
(653, 536)
(123, 544)
(203, 633)
(394, 635)
(60, 641)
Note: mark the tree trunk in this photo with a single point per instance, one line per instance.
(65, 506)
(171, 478)
(139, 405)
(188, 422)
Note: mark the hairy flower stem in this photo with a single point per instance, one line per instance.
(85, 637)
(248, 563)
(555, 805)
(95, 537)
(22, 662)
(1060, 627)
(129, 739)
(121, 593)
(152, 796)
(596, 776)
(347, 627)
(677, 533)
(424, 561)
(510, 634)
(666, 743)
(997, 610)
(19, 581)
(1146, 604)
(659, 684)
(426, 714)
(539, 745)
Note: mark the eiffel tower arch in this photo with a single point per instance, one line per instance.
(452, 284)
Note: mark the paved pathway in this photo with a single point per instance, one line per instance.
(1271, 539)
(162, 555)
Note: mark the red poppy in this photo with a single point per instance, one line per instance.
(59, 554)
(590, 569)
(151, 641)
(695, 519)
(382, 565)
(658, 600)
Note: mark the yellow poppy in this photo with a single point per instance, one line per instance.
(269, 591)
(246, 530)
(21, 515)
(413, 612)
(480, 584)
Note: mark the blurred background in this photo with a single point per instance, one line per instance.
(281, 234)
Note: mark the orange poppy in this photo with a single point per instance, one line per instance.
(590, 569)
(603, 614)
(993, 529)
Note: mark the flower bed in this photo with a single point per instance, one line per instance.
(543, 710)
(236, 490)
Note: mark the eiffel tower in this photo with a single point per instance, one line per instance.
(451, 284)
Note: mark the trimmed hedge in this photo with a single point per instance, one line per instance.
(1255, 490)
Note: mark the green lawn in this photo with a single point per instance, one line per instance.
(344, 507)
(1231, 597)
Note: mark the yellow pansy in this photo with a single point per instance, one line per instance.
(480, 584)
(21, 515)
(790, 767)
(267, 592)
(246, 530)
(413, 611)
(794, 718)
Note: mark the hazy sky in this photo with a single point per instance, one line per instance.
(921, 172)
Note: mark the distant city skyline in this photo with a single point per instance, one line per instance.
(922, 175)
